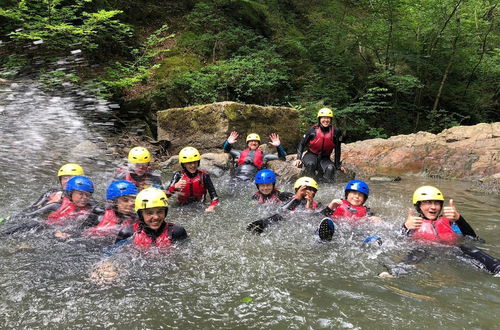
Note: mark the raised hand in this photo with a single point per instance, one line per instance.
(180, 184)
(275, 140)
(413, 222)
(301, 193)
(450, 212)
(334, 204)
(233, 137)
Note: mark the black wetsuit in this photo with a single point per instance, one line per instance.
(320, 164)
(41, 207)
(247, 171)
(292, 204)
(92, 219)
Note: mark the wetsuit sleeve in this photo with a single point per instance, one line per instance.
(211, 189)
(281, 155)
(465, 228)
(93, 218)
(171, 186)
(229, 149)
(178, 233)
(43, 199)
(326, 211)
(290, 205)
(338, 142)
(41, 211)
(310, 134)
(283, 196)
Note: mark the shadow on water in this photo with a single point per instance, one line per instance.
(223, 277)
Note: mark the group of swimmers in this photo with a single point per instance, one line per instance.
(137, 203)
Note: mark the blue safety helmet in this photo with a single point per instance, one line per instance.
(357, 185)
(265, 176)
(81, 183)
(120, 188)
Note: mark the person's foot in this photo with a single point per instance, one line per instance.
(326, 229)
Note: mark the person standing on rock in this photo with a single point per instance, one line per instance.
(252, 159)
(321, 140)
(192, 184)
(138, 170)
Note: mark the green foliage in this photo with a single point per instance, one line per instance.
(441, 119)
(120, 76)
(62, 26)
(260, 77)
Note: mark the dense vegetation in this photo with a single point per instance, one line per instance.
(387, 66)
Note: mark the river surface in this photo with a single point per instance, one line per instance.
(223, 277)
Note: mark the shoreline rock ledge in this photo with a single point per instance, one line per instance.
(462, 152)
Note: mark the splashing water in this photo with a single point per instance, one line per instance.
(223, 277)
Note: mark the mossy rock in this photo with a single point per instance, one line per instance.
(207, 126)
(177, 64)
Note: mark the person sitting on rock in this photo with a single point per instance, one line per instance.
(265, 180)
(321, 140)
(51, 200)
(351, 208)
(303, 200)
(138, 170)
(192, 184)
(119, 216)
(252, 158)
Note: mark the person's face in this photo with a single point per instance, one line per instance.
(431, 209)
(80, 198)
(140, 169)
(64, 179)
(355, 198)
(191, 167)
(265, 188)
(310, 192)
(253, 145)
(325, 121)
(125, 204)
(154, 217)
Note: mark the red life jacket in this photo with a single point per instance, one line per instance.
(142, 240)
(143, 182)
(346, 210)
(67, 210)
(195, 188)
(438, 230)
(110, 224)
(272, 198)
(258, 158)
(322, 143)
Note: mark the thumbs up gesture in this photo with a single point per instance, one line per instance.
(450, 212)
(412, 221)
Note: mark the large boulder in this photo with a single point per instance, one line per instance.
(460, 152)
(207, 126)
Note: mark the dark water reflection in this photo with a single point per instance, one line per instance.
(223, 277)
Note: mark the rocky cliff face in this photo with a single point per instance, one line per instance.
(468, 152)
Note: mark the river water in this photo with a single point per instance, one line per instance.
(223, 277)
